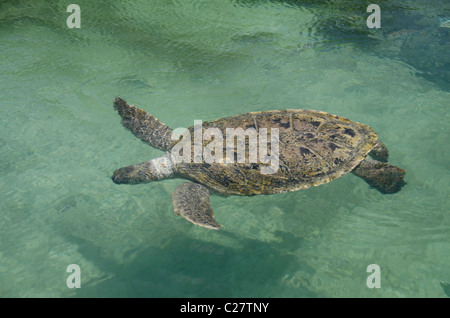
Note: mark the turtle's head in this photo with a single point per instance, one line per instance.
(152, 170)
(133, 174)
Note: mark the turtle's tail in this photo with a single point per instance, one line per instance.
(143, 125)
(380, 152)
(384, 177)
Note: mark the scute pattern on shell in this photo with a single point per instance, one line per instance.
(314, 148)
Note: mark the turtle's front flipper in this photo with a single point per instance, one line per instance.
(191, 201)
(384, 177)
(143, 125)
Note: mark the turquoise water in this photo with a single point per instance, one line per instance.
(60, 141)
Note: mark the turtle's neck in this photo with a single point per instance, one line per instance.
(162, 167)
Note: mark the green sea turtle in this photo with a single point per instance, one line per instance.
(314, 148)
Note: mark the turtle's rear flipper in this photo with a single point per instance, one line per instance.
(384, 177)
(191, 201)
(143, 125)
